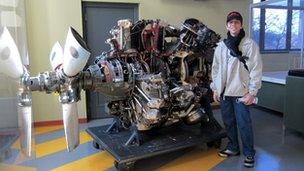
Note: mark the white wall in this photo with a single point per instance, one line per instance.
(47, 22)
(211, 12)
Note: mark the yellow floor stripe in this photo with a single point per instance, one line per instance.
(16, 144)
(47, 129)
(6, 167)
(38, 131)
(195, 160)
(98, 161)
(57, 145)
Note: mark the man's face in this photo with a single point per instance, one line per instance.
(234, 26)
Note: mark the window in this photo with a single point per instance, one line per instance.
(256, 24)
(277, 26)
(256, 1)
(298, 3)
(296, 29)
(275, 29)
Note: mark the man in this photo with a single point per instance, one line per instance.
(236, 73)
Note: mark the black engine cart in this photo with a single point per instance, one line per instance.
(129, 146)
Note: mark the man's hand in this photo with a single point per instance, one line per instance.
(248, 99)
(216, 97)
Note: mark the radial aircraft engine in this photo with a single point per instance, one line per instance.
(154, 75)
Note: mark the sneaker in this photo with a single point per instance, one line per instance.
(227, 153)
(249, 162)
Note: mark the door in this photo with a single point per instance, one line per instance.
(98, 19)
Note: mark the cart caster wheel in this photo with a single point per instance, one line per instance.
(96, 145)
(124, 166)
(215, 143)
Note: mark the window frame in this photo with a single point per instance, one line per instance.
(262, 23)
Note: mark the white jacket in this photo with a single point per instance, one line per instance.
(229, 72)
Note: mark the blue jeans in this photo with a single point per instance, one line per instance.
(236, 115)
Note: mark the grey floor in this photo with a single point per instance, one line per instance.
(276, 150)
(273, 150)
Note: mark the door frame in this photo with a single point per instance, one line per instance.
(84, 6)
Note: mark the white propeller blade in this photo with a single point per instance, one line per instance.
(75, 57)
(10, 62)
(56, 56)
(25, 124)
(76, 53)
(70, 122)
(11, 65)
(25, 121)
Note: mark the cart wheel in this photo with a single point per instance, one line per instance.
(96, 145)
(124, 166)
(215, 143)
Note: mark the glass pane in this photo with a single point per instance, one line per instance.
(280, 3)
(256, 24)
(297, 3)
(296, 30)
(275, 29)
(12, 16)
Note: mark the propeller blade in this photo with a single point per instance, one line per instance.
(10, 62)
(70, 122)
(56, 56)
(76, 53)
(25, 122)
(11, 65)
